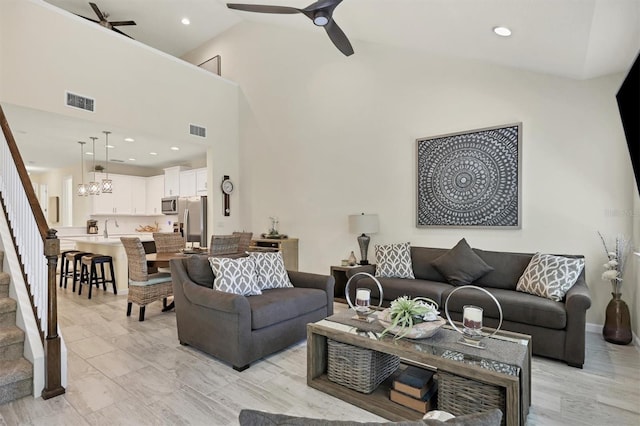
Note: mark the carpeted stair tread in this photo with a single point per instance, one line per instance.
(7, 305)
(16, 380)
(15, 371)
(7, 312)
(10, 335)
(4, 278)
(11, 343)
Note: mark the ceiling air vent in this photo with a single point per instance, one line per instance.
(115, 160)
(197, 131)
(80, 102)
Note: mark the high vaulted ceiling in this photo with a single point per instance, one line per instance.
(572, 38)
(578, 39)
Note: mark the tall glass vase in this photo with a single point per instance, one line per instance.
(617, 323)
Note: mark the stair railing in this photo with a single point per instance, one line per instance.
(38, 248)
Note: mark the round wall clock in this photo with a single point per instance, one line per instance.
(227, 189)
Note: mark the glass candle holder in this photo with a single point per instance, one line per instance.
(472, 320)
(363, 299)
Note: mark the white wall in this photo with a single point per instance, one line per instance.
(324, 136)
(135, 87)
(45, 51)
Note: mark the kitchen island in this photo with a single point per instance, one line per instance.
(111, 246)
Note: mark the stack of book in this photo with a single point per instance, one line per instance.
(415, 388)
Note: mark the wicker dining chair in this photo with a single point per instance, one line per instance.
(144, 288)
(245, 241)
(168, 242)
(233, 246)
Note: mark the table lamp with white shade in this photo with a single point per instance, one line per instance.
(363, 224)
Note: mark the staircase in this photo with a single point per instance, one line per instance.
(16, 373)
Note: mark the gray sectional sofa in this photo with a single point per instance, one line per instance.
(557, 328)
(242, 329)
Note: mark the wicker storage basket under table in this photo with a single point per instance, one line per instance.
(357, 368)
(459, 395)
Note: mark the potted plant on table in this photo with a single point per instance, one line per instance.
(414, 318)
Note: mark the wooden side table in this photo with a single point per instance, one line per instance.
(288, 247)
(339, 273)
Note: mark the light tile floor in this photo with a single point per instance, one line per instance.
(125, 372)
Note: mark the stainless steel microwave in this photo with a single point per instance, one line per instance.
(170, 205)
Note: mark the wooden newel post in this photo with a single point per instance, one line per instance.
(52, 355)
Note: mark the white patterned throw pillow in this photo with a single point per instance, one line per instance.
(270, 270)
(550, 276)
(237, 276)
(394, 261)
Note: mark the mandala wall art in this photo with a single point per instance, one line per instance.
(470, 178)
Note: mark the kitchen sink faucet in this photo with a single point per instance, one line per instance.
(105, 233)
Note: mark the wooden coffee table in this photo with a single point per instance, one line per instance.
(442, 352)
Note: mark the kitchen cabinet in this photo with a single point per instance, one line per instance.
(154, 191)
(103, 203)
(138, 199)
(172, 181)
(128, 196)
(188, 183)
(201, 181)
(122, 194)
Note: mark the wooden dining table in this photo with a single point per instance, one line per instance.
(161, 260)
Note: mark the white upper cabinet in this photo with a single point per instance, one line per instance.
(172, 181)
(154, 193)
(188, 183)
(129, 196)
(138, 195)
(201, 181)
(103, 203)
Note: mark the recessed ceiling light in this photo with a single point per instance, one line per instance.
(502, 31)
(132, 159)
(153, 153)
(129, 139)
(175, 148)
(185, 21)
(110, 146)
(89, 153)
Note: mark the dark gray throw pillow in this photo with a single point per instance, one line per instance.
(460, 265)
(199, 270)
(253, 418)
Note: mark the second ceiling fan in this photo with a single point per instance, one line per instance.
(320, 12)
(103, 16)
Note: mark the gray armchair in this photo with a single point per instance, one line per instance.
(239, 329)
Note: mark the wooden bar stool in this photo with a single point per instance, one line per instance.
(89, 273)
(73, 258)
(64, 264)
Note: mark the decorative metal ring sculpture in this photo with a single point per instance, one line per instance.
(362, 314)
(472, 340)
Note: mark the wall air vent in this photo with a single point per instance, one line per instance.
(197, 131)
(81, 102)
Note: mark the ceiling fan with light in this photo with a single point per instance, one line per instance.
(103, 20)
(320, 12)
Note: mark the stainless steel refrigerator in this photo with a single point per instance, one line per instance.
(192, 214)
